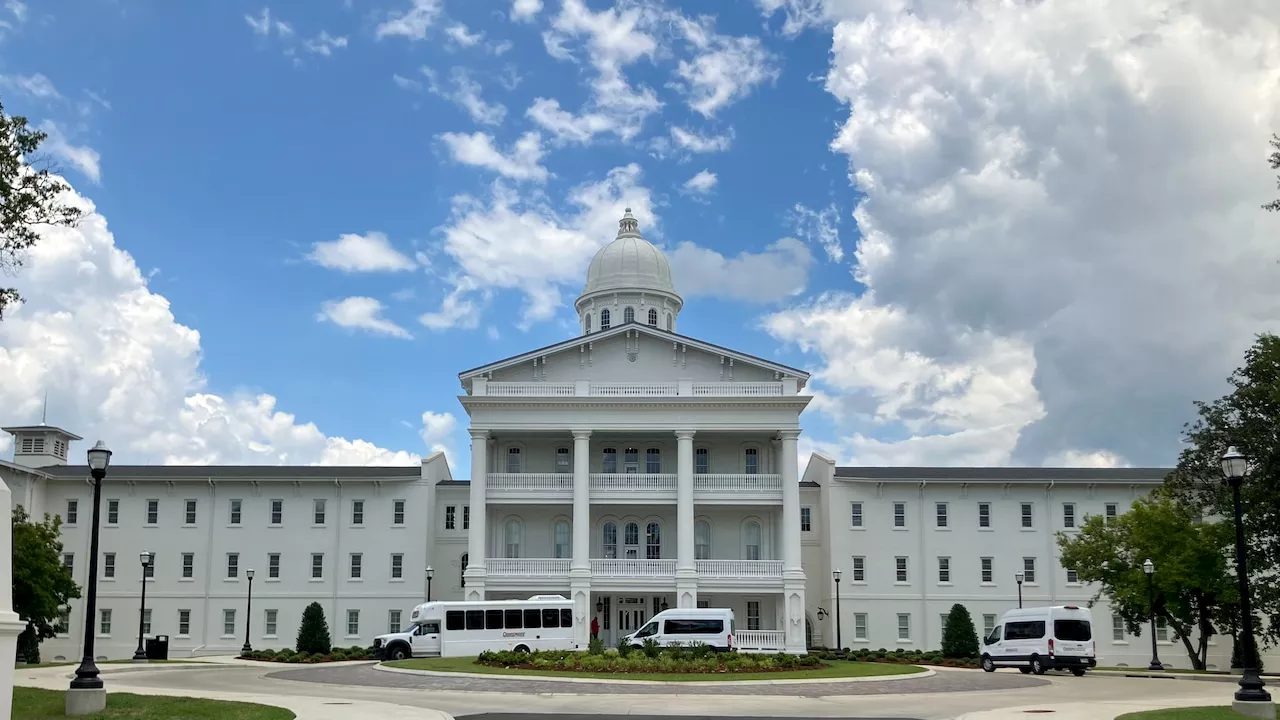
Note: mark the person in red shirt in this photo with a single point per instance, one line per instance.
(595, 628)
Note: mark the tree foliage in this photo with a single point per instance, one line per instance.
(313, 632)
(1274, 161)
(959, 637)
(42, 586)
(29, 197)
(1249, 418)
(1193, 588)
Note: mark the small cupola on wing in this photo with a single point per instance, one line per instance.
(629, 280)
(40, 445)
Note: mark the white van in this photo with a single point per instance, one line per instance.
(1036, 640)
(708, 626)
(466, 629)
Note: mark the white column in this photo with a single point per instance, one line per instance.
(10, 625)
(686, 573)
(476, 538)
(790, 466)
(581, 500)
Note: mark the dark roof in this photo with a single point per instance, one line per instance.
(239, 472)
(809, 483)
(454, 483)
(616, 329)
(1003, 473)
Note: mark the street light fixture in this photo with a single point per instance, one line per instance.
(430, 574)
(1234, 467)
(835, 575)
(248, 613)
(1018, 577)
(87, 677)
(146, 557)
(1149, 568)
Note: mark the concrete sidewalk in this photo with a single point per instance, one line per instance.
(1097, 710)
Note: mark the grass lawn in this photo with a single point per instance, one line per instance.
(108, 662)
(834, 670)
(33, 704)
(1200, 713)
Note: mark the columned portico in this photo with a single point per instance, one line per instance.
(476, 537)
(686, 572)
(793, 578)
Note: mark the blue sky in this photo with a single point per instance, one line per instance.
(352, 201)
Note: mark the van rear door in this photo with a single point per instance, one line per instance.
(1074, 636)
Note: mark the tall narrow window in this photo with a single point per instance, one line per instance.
(855, 514)
(1028, 519)
(988, 624)
(69, 562)
(669, 321)
(944, 570)
(988, 571)
(563, 548)
(904, 626)
(1162, 629)
(899, 515)
(269, 619)
(318, 509)
(353, 623)
(1029, 570)
(397, 512)
(236, 506)
(701, 461)
(984, 514)
(513, 460)
(941, 512)
(702, 540)
(806, 519)
(113, 512)
(317, 566)
(184, 622)
(753, 614)
(631, 541)
(1112, 510)
(449, 511)
(153, 512)
(233, 565)
(462, 571)
(108, 565)
(1117, 628)
(466, 517)
(653, 461)
(357, 566)
(73, 511)
(1068, 515)
(604, 319)
(393, 621)
(188, 566)
(751, 461)
(900, 569)
(397, 566)
(609, 540)
(653, 318)
(273, 566)
(277, 512)
(859, 569)
(653, 541)
(104, 622)
(860, 626)
(751, 540)
(190, 519)
(631, 460)
(357, 512)
(146, 621)
(609, 460)
(229, 623)
(514, 534)
(563, 462)
(586, 326)
(629, 314)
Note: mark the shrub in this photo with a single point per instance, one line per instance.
(651, 648)
(624, 647)
(595, 647)
(29, 645)
(959, 638)
(313, 632)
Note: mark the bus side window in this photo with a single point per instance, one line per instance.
(550, 618)
(513, 620)
(532, 619)
(566, 617)
(453, 620)
(475, 619)
(492, 619)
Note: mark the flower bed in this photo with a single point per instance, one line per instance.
(905, 657)
(285, 655)
(692, 660)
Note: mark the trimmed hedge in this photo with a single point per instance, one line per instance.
(285, 655)
(899, 656)
(693, 660)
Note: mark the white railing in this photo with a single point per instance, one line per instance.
(530, 481)
(526, 567)
(618, 568)
(759, 640)
(646, 482)
(737, 482)
(736, 389)
(621, 389)
(531, 389)
(739, 568)
(626, 389)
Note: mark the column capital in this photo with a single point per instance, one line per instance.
(685, 434)
(789, 434)
(477, 434)
(581, 434)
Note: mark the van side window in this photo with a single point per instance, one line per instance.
(647, 630)
(693, 627)
(453, 620)
(1024, 630)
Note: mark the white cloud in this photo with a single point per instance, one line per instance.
(821, 227)
(36, 85)
(371, 252)
(702, 183)
(360, 313)
(466, 94)
(437, 432)
(461, 35)
(693, 142)
(724, 68)
(775, 274)
(525, 10)
(797, 14)
(406, 83)
(118, 366)
(478, 149)
(566, 126)
(412, 23)
(82, 157)
(263, 24)
(457, 310)
(19, 12)
(324, 44)
(1079, 458)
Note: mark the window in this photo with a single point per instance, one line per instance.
(653, 317)
(233, 565)
(190, 518)
(146, 621)
(357, 512)
(448, 517)
(668, 321)
(1027, 517)
(806, 519)
(1073, 577)
(653, 541)
(855, 514)
(631, 460)
(560, 535)
(513, 460)
(904, 626)
(604, 319)
(273, 566)
(944, 570)
(1112, 510)
(63, 624)
(184, 622)
(514, 534)
(860, 626)
(277, 512)
(988, 624)
(1162, 629)
(901, 569)
(317, 566)
(609, 540)
(701, 461)
(397, 512)
(702, 540)
(1072, 630)
(988, 571)
(353, 623)
(104, 622)
(941, 511)
(462, 569)
(1117, 628)
(393, 621)
(653, 461)
(69, 562)
(628, 314)
(984, 514)
(563, 464)
(586, 325)
(631, 541)
(229, 622)
(113, 512)
(751, 458)
(235, 511)
(397, 566)
(269, 622)
(108, 565)
(899, 515)
(317, 509)
(153, 512)
(609, 461)
(859, 569)
(751, 540)
(188, 566)
(1029, 570)
(466, 517)
(149, 570)
(1068, 515)
(73, 511)
(357, 566)
(753, 614)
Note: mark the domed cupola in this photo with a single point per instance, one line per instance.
(629, 280)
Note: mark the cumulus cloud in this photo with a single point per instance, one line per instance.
(371, 252)
(820, 227)
(777, 273)
(525, 10)
(478, 149)
(360, 313)
(724, 68)
(81, 157)
(701, 184)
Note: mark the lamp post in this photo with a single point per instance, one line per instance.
(248, 613)
(430, 574)
(1234, 467)
(1018, 578)
(146, 557)
(1149, 568)
(87, 677)
(835, 575)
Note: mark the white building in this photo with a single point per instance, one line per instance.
(629, 468)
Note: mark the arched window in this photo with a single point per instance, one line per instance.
(561, 537)
(702, 540)
(514, 532)
(563, 462)
(631, 460)
(701, 461)
(586, 322)
(751, 540)
(462, 574)
(653, 541)
(609, 540)
(604, 319)
(629, 315)
(653, 461)
(668, 321)
(653, 317)
(631, 541)
(751, 461)
(513, 460)
(609, 461)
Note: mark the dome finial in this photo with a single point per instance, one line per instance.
(628, 224)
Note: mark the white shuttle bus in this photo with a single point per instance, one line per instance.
(1036, 640)
(466, 629)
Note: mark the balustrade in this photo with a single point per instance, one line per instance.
(530, 481)
(759, 640)
(652, 482)
(629, 568)
(739, 568)
(737, 482)
(527, 567)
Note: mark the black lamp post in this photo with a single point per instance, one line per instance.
(87, 677)
(1019, 577)
(248, 613)
(1234, 467)
(146, 557)
(835, 575)
(430, 574)
(1149, 568)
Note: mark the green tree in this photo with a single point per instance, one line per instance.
(29, 197)
(959, 637)
(1248, 417)
(1274, 161)
(1192, 586)
(313, 632)
(42, 586)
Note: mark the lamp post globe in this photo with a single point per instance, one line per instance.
(1149, 569)
(431, 573)
(835, 575)
(79, 700)
(1235, 465)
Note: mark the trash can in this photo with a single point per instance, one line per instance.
(158, 647)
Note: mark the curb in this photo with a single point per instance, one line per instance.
(689, 683)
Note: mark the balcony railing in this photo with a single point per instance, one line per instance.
(759, 640)
(737, 482)
(506, 482)
(526, 567)
(739, 568)
(621, 568)
(621, 389)
(646, 482)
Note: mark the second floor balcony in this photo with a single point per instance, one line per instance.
(634, 487)
(518, 570)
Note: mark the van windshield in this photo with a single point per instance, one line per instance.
(1073, 630)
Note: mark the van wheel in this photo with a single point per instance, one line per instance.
(1037, 666)
(522, 648)
(987, 664)
(1025, 671)
(397, 652)
(1078, 672)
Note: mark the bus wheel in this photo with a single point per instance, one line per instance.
(397, 652)
(522, 648)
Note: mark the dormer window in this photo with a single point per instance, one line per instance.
(586, 324)
(604, 319)
(653, 318)
(629, 315)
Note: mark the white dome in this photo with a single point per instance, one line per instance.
(629, 263)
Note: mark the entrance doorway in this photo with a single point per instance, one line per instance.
(631, 616)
